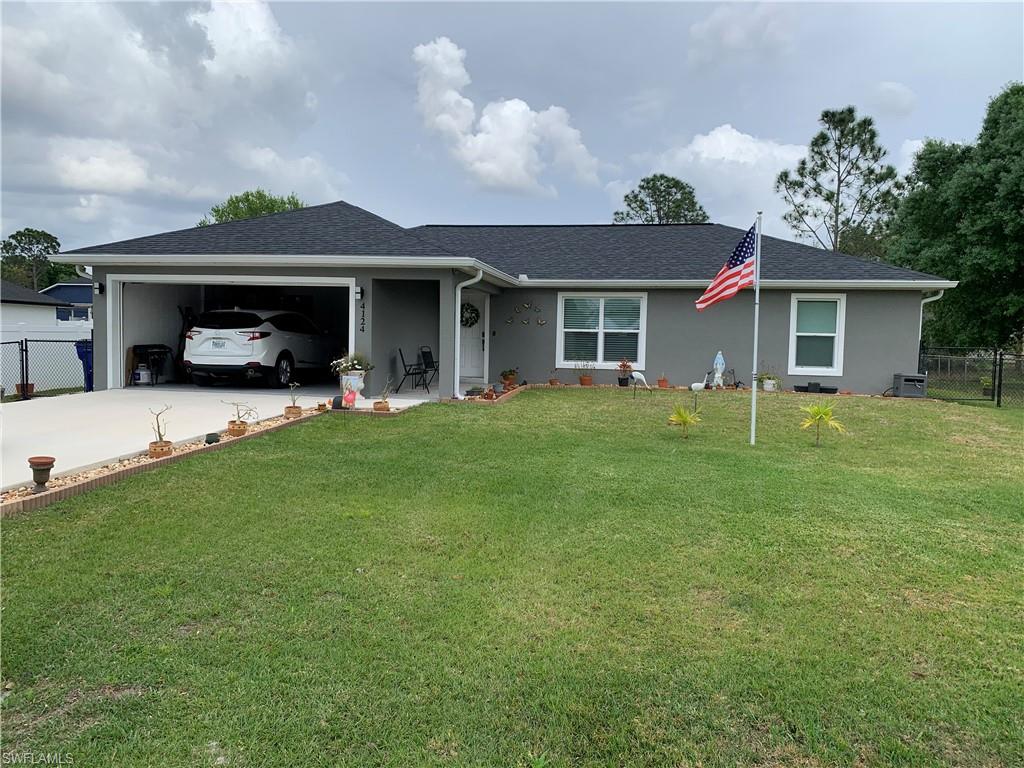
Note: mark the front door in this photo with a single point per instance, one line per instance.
(473, 340)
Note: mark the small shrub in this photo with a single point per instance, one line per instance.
(818, 415)
(682, 416)
(160, 423)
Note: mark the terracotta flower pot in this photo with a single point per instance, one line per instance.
(662, 383)
(30, 389)
(292, 411)
(382, 406)
(586, 381)
(237, 428)
(321, 406)
(41, 466)
(554, 382)
(158, 449)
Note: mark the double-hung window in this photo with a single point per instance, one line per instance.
(601, 329)
(816, 328)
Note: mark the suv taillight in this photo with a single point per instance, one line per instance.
(253, 335)
(191, 333)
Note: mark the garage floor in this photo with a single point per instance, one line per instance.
(96, 428)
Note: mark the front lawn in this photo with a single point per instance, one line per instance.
(560, 580)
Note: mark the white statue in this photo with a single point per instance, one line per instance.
(719, 370)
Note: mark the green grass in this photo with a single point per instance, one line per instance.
(43, 393)
(561, 580)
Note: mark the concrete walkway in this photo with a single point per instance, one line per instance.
(96, 428)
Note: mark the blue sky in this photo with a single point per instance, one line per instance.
(121, 120)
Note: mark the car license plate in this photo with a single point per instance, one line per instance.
(218, 344)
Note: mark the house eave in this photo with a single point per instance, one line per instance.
(297, 260)
(466, 264)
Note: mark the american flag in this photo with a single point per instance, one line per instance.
(737, 273)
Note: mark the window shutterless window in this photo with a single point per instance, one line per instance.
(817, 324)
(601, 329)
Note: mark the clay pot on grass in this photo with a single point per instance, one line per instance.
(30, 389)
(554, 383)
(586, 381)
(159, 449)
(237, 428)
(662, 383)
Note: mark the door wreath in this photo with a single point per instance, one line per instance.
(470, 315)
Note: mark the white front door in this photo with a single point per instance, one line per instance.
(473, 340)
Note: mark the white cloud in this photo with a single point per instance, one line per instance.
(511, 145)
(135, 105)
(741, 31)
(894, 99)
(908, 150)
(732, 172)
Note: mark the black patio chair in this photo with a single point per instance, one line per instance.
(429, 365)
(415, 370)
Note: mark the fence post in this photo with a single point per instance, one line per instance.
(23, 355)
(998, 380)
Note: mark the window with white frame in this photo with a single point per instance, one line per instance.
(816, 328)
(601, 329)
(66, 314)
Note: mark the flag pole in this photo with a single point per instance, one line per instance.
(757, 310)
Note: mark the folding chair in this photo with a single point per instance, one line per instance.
(415, 370)
(429, 365)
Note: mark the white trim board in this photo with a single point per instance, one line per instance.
(115, 284)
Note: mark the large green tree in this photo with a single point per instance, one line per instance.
(26, 259)
(963, 219)
(843, 184)
(661, 199)
(248, 205)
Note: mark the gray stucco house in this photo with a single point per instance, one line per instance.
(546, 297)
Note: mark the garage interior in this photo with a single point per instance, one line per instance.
(158, 314)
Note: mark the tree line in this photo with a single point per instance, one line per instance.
(958, 214)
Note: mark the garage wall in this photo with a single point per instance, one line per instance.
(153, 313)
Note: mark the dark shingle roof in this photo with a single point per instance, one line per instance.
(11, 293)
(645, 252)
(566, 252)
(334, 229)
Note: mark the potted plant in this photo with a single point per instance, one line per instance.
(294, 410)
(321, 405)
(585, 370)
(161, 446)
(553, 380)
(351, 369)
(662, 381)
(508, 377)
(489, 394)
(986, 386)
(29, 389)
(769, 380)
(239, 425)
(382, 405)
(625, 368)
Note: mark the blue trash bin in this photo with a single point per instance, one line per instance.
(84, 350)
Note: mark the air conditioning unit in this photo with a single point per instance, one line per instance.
(910, 385)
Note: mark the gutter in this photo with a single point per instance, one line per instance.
(458, 329)
(920, 318)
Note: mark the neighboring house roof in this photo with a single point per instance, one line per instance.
(571, 253)
(11, 293)
(646, 252)
(333, 229)
(77, 292)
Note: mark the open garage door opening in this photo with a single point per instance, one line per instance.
(249, 330)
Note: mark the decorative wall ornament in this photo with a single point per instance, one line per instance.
(470, 315)
(541, 321)
(510, 320)
(526, 321)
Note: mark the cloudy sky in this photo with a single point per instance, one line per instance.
(122, 120)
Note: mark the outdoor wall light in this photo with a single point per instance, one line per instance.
(97, 288)
(358, 293)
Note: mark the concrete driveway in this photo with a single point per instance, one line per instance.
(96, 428)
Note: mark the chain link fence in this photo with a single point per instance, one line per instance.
(44, 367)
(972, 374)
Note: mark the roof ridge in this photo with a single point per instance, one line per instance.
(555, 226)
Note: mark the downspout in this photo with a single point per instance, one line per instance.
(458, 328)
(920, 319)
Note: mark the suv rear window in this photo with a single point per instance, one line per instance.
(222, 321)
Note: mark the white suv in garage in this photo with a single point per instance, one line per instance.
(226, 343)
